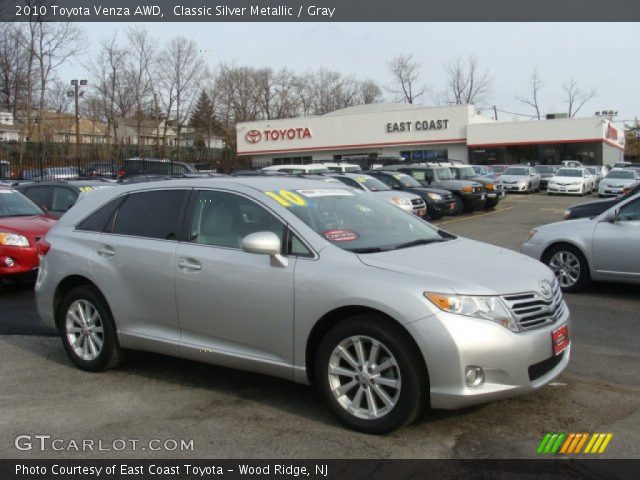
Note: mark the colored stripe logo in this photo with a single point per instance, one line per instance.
(572, 443)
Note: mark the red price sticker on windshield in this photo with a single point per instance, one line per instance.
(340, 235)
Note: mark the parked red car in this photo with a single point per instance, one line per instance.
(22, 225)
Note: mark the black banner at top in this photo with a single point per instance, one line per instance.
(320, 10)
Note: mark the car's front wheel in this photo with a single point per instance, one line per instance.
(570, 267)
(371, 374)
(88, 331)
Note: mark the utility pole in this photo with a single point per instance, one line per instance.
(76, 93)
(495, 112)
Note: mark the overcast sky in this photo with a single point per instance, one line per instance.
(602, 56)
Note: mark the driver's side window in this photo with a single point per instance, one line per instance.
(630, 212)
(223, 219)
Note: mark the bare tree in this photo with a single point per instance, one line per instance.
(535, 87)
(575, 98)
(140, 62)
(370, 92)
(406, 85)
(465, 83)
(107, 71)
(183, 69)
(57, 99)
(12, 68)
(275, 92)
(54, 43)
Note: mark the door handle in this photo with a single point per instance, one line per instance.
(189, 264)
(105, 250)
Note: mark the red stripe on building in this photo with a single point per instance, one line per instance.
(363, 145)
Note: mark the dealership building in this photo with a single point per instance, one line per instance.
(419, 133)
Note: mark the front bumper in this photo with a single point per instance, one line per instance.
(565, 189)
(473, 201)
(515, 187)
(18, 261)
(513, 363)
(440, 208)
(605, 191)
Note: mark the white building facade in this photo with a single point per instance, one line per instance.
(8, 131)
(419, 133)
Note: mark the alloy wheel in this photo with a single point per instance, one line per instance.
(364, 377)
(84, 329)
(566, 266)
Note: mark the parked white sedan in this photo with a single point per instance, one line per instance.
(573, 181)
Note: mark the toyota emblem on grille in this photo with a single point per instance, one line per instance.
(545, 289)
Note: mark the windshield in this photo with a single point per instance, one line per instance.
(444, 174)
(569, 172)
(544, 169)
(408, 181)
(498, 168)
(480, 170)
(592, 170)
(516, 171)
(372, 184)
(14, 204)
(464, 173)
(621, 174)
(357, 221)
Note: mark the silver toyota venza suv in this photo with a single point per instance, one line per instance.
(306, 280)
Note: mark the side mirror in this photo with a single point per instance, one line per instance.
(264, 243)
(611, 216)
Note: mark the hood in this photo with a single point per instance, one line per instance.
(623, 182)
(424, 190)
(464, 266)
(556, 178)
(396, 193)
(32, 226)
(456, 184)
(514, 178)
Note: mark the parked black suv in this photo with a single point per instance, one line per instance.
(469, 195)
(439, 202)
(55, 197)
(494, 189)
(593, 209)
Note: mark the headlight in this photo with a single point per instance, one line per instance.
(13, 240)
(434, 196)
(532, 234)
(401, 201)
(489, 186)
(567, 214)
(486, 308)
(467, 189)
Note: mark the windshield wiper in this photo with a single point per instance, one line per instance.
(421, 241)
(365, 250)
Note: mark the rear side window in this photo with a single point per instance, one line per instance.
(63, 199)
(97, 221)
(41, 196)
(156, 214)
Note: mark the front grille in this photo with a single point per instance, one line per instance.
(417, 201)
(540, 369)
(497, 186)
(447, 198)
(477, 189)
(532, 310)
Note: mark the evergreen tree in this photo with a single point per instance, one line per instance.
(203, 117)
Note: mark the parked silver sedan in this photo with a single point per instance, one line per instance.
(616, 180)
(520, 178)
(306, 280)
(606, 247)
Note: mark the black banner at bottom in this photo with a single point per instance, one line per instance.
(317, 469)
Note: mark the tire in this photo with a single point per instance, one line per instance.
(553, 259)
(491, 204)
(403, 405)
(89, 354)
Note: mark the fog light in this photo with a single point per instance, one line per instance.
(8, 262)
(474, 376)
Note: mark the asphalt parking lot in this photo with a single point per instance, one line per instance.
(234, 414)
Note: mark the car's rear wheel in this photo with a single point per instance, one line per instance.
(369, 373)
(570, 267)
(88, 331)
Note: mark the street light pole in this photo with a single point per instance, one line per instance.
(76, 93)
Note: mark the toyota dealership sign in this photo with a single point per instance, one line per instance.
(275, 135)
